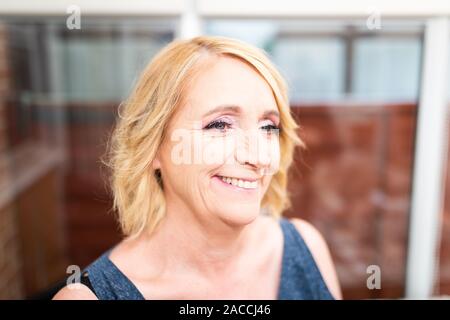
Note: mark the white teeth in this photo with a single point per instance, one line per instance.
(240, 183)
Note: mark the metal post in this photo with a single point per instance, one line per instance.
(429, 162)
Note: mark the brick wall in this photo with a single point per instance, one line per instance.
(353, 183)
(11, 283)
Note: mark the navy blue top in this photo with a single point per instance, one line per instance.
(300, 276)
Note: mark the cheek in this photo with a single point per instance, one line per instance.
(185, 162)
(217, 150)
(274, 157)
(177, 169)
(270, 155)
(183, 181)
(193, 148)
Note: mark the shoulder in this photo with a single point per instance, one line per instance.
(321, 254)
(75, 292)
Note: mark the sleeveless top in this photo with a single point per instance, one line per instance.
(300, 277)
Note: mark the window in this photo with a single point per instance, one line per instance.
(354, 92)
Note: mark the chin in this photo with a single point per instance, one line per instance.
(239, 215)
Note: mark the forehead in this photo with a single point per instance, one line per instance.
(229, 81)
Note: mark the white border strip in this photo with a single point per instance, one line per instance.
(430, 159)
(323, 8)
(92, 7)
(234, 8)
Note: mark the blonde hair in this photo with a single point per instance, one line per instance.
(143, 118)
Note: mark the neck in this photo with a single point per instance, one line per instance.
(201, 244)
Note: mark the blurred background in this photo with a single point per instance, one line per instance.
(368, 82)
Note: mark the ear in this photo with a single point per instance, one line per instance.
(156, 164)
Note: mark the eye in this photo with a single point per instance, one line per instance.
(270, 127)
(219, 125)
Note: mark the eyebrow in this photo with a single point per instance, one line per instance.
(238, 109)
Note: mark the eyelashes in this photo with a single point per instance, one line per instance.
(223, 126)
(270, 127)
(219, 125)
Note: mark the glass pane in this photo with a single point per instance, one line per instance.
(354, 92)
(387, 69)
(59, 93)
(314, 66)
(443, 276)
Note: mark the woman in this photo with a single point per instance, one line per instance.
(199, 162)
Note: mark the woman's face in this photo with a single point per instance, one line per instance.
(222, 147)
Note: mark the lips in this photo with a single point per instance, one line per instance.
(241, 183)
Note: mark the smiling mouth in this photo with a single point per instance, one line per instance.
(241, 183)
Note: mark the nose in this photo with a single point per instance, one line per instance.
(252, 149)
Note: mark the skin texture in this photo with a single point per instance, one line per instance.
(213, 243)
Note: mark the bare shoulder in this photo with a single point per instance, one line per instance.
(319, 249)
(75, 292)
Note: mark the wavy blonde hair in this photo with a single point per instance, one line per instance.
(143, 118)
